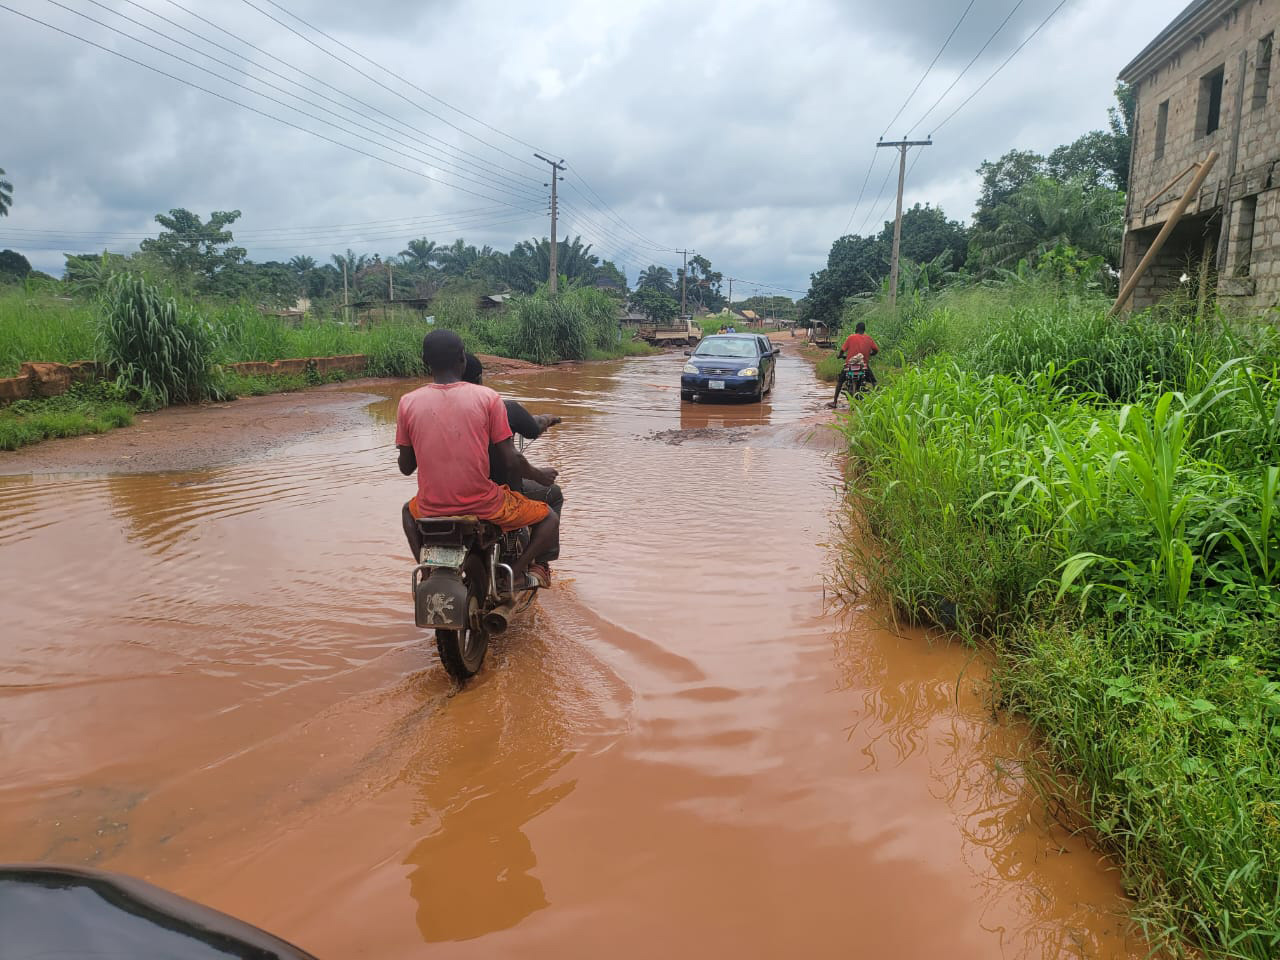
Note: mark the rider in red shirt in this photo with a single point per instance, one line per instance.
(857, 342)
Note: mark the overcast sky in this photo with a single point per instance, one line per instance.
(742, 129)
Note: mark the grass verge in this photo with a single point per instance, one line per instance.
(1098, 501)
(84, 410)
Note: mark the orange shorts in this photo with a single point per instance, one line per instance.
(516, 511)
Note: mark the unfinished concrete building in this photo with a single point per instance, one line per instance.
(1206, 83)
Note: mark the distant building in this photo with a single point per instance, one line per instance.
(1206, 83)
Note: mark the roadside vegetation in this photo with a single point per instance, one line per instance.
(1098, 500)
(86, 408)
(162, 347)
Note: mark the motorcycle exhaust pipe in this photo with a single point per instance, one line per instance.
(498, 619)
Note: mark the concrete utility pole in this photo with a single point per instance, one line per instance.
(903, 146)
(346, 310)
(684, 279)
(731, 294)
(556, 167)
(391, 290)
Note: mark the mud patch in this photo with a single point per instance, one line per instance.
(700, 434)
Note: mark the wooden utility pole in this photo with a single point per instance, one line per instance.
(1158, 243)
(903, 146)
(391, 290)
(556, 167)
(684, 279)
(346, 309)
(731, 294)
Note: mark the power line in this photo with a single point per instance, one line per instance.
(934, 63)
(240, 103)
(1005, 22)
(305, 243)
(425, 93)
(290, 234)
(608, 211)
(875, 154)
(521, 192)
(1006, 62)
(395, 221)
(603, 206)
(464, 159)
(870, 213)
(351, 66)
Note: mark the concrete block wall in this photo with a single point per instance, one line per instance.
(55, 379)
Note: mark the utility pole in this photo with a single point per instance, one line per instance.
(731, 294)
(684, 279)
(903, 146)
(346, 309)
(556, 167)
(391, 290)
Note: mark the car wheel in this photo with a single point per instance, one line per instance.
(686, 396)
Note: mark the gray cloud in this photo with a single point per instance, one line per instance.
(742, 129)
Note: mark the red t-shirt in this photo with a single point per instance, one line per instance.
(450, 427)
(859, 343)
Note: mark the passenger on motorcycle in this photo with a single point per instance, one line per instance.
(445, 431)
(856, 343)
(536, 483)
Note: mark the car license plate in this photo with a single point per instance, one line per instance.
(716, 384)
(443, 556)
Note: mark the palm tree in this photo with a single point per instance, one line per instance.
(657, 278)
(351, 260)
(6, 194)
(420, 254)
(1047, 213)
(302, 265)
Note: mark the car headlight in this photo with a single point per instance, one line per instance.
(690, 368)
(749, 372)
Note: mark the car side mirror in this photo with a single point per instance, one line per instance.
(688, 353)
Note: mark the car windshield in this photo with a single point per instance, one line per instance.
(738, 347)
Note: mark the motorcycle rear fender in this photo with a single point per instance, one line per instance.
(439, 599)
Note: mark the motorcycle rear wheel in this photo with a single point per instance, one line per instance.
(462, 651)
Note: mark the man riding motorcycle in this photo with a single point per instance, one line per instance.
(856, 344)
(445, 431)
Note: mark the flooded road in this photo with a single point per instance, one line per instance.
(211, 679)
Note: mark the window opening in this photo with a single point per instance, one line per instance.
(1262, 72)
(1244, 235)
(1210, 113)
(1162, 128)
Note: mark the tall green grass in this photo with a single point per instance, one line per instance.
(167, 349)
(161, 351)
(1099, 500)
(35, 326)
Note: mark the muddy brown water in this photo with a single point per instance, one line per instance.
(211, 679)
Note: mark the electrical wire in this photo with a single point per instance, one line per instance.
(463, 159)
(395, 221)
(306, 243)
(253, 109)
(608, 211)
(373, 80)
(916, 89)
(875, 154)
(969, 66)
(522, 193)
(996, 72)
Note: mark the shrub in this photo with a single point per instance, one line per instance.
(161, 352)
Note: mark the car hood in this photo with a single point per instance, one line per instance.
(725, 363)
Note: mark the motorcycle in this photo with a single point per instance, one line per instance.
(53, 911)
(464, 588)
(857, 376)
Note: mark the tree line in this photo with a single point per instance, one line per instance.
(1062, 213)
